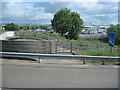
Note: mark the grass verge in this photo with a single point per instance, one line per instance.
(2, 31)
(97, 53)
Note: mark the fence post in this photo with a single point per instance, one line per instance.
(56, 46)
(71, 46)
(118, 50)
(97, 45)
(50, 46)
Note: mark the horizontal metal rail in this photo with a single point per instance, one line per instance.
(55, 56)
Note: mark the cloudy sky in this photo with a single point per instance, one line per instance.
(39, 13)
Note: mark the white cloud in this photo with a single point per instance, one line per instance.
(25, 11)
(17, 9)
(42, 13)
(100, 15)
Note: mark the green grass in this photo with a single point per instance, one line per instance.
(2, 31)
(51, 36)
(97, 53)
(106, 62)
(43, 35)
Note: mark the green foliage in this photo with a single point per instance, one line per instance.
(43, 27)
(33, 27)
(76, 25)
(25, 27)
(43, 35)
(65, 21)
(12, 27)
(2, 31)
(52, 36)
(36, 27)
(116, 29)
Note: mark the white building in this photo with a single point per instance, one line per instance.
(2, 27)
(95, 28)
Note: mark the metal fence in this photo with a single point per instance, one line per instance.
(63, 46)
(75, 46)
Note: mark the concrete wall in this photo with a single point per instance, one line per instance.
(29, 46)
(7, 34)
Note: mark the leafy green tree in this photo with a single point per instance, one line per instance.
(24, 27)
(12, 27)
(61, 22)
(37, 27)
(116, 29)
(21, 27)
(43, 27)
(33, 27)
(76, 25)
(65, 21)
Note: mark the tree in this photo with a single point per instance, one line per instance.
(33, 27)
(25, 27)
(12, 27)
(21, 27)
(116, 29)
(65, 21)
(76, 25)
(36, 27)
(43, 27)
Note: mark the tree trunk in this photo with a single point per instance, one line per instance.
(62, 34)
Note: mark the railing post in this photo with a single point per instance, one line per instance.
(84, 62)
(50, 46)
(103, 63)
(56, 46)
(39, 60)
(71, 46)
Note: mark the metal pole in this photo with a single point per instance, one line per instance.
(103, 63)
(50, 46)
(56, 46)
(39, 60)
(97, 45)
(71, 47)
(84, 62)
(111, 50)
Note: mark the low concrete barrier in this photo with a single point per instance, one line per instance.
(7, 34)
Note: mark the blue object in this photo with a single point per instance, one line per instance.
(111, 39)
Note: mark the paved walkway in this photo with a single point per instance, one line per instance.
(57, 76)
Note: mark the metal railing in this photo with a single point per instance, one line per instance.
(55, 56)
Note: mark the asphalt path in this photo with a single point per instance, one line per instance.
(59, 76)
(0, 76)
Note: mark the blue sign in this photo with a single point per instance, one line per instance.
(111, 39)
